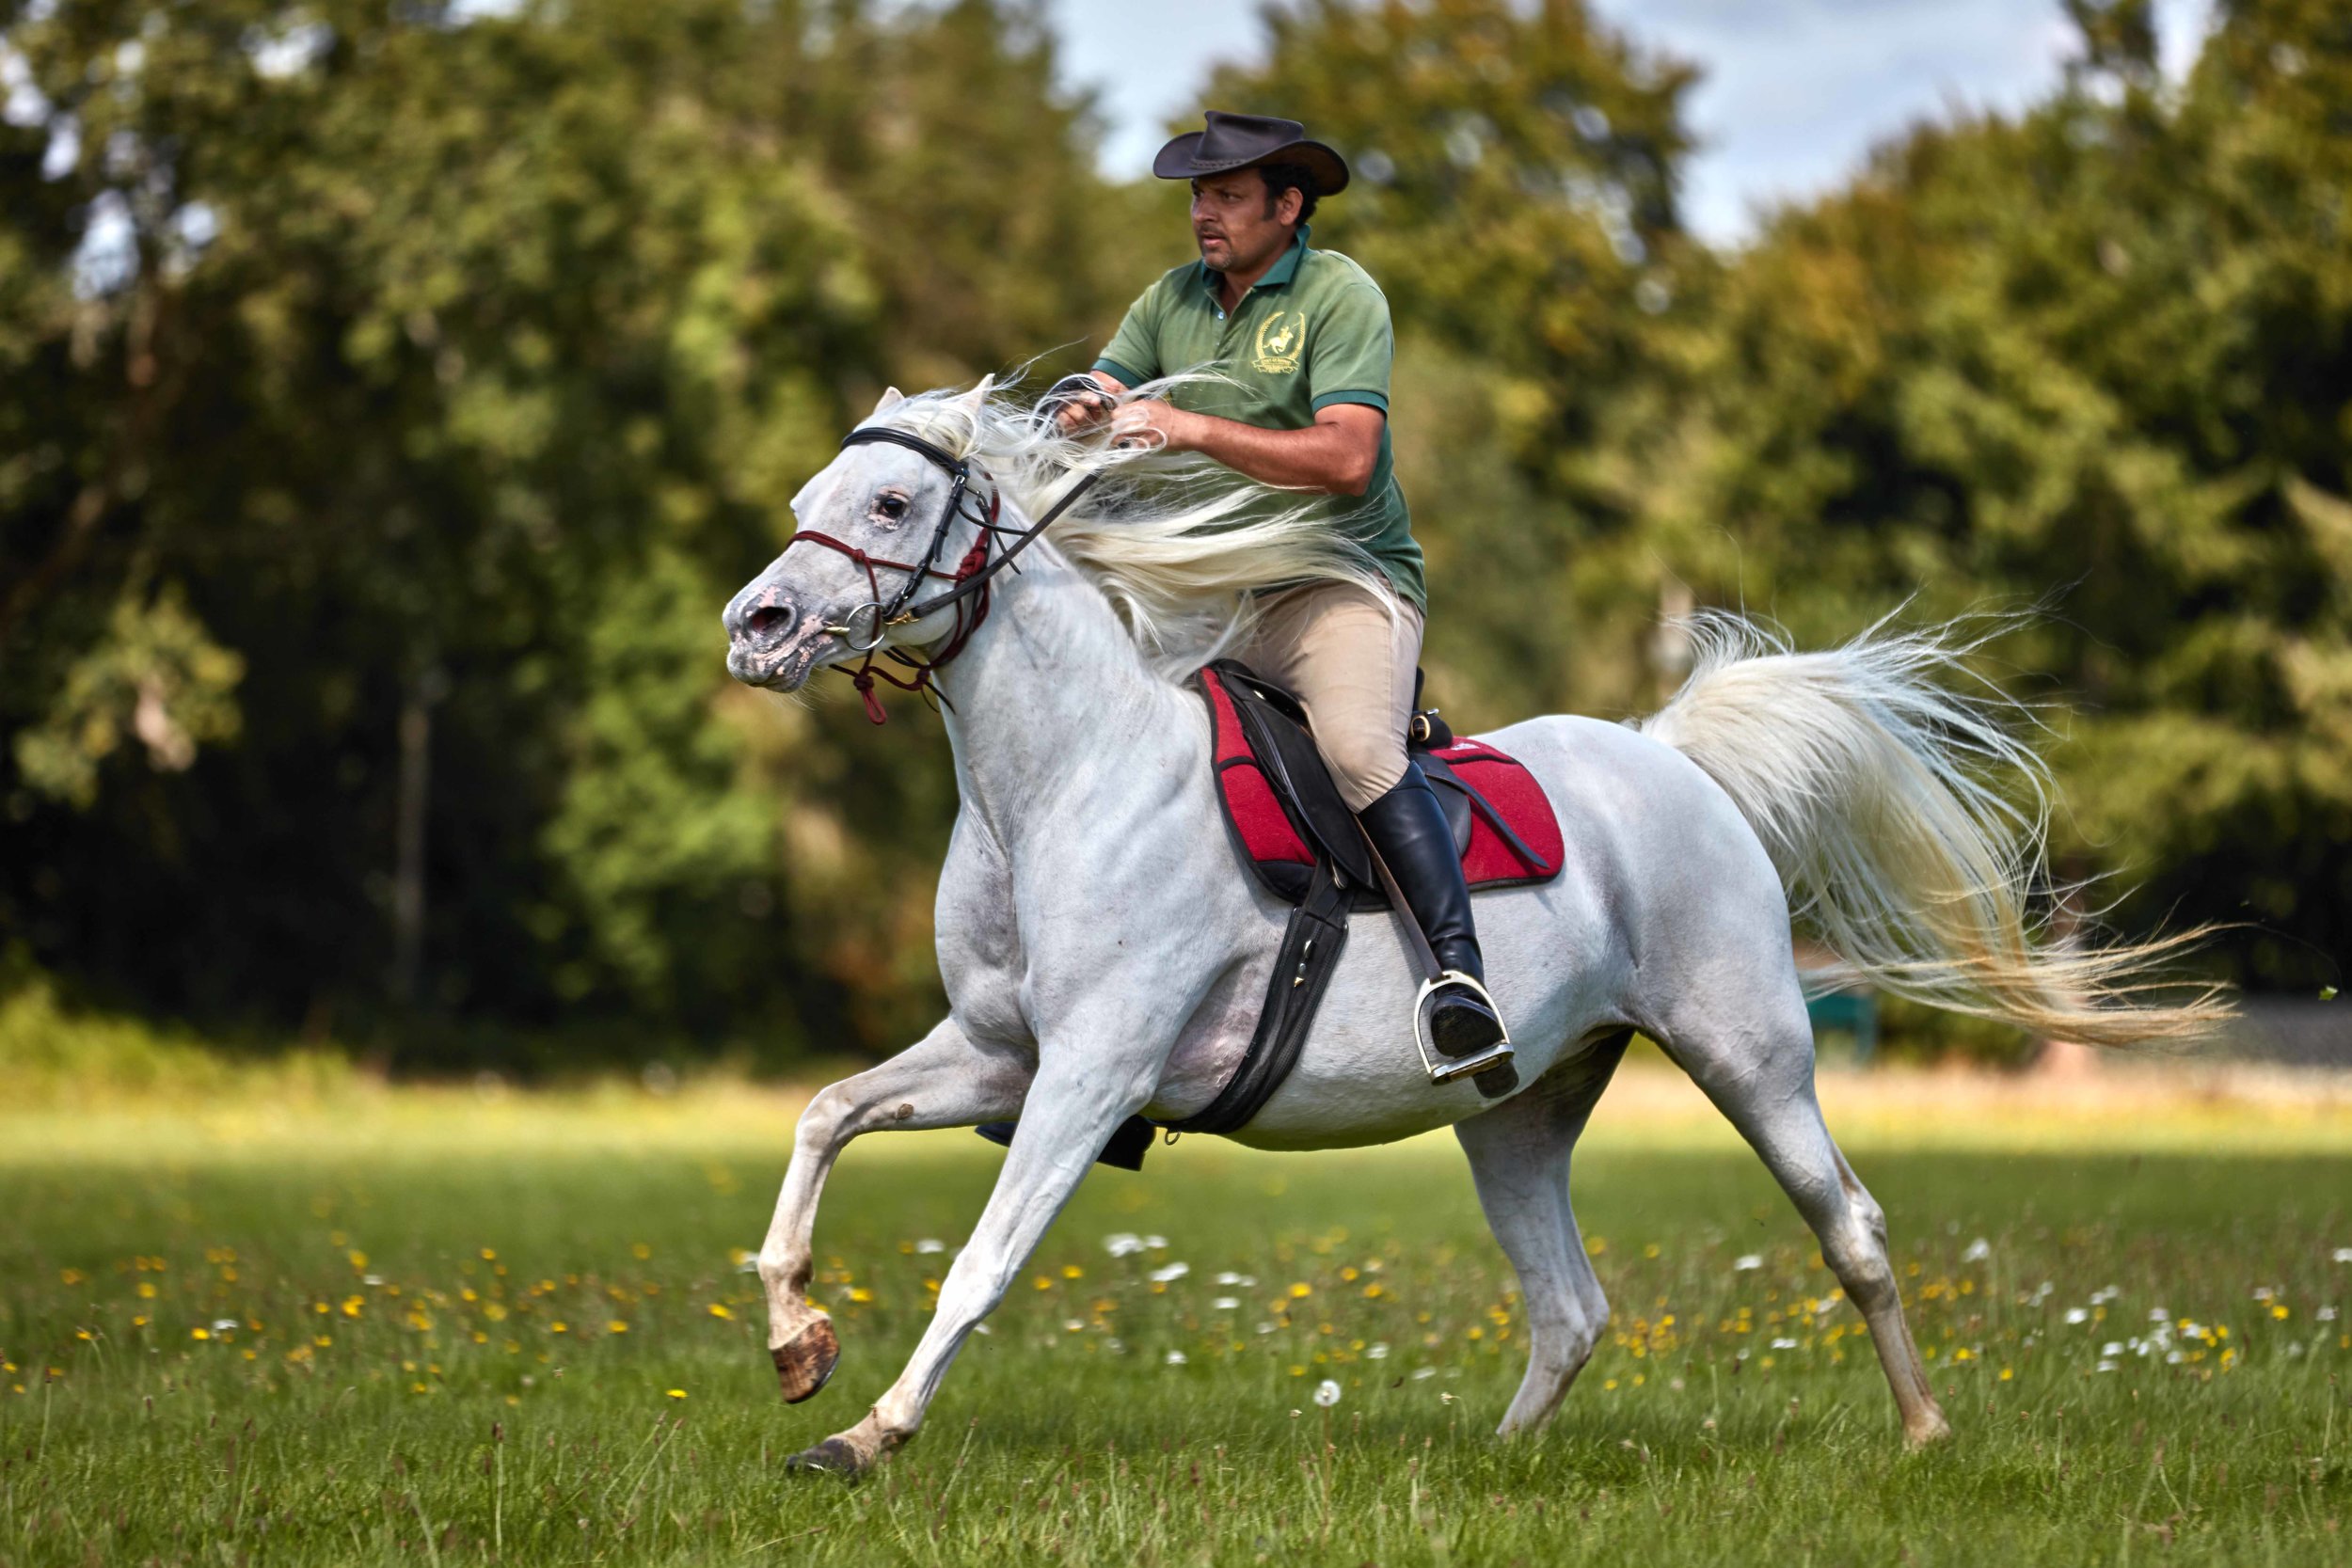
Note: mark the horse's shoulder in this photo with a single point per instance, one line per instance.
(974, 882)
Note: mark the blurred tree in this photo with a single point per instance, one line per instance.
(394, 395)
(2105, 347)
(436, 373)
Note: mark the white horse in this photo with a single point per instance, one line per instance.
(1105, 954)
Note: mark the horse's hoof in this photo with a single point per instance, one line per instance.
(832, 1457)
(805, 1362)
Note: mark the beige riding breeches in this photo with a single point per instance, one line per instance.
(1349, 657)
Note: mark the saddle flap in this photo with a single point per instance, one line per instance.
(1276, 726)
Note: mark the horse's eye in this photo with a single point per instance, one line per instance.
(891, 507)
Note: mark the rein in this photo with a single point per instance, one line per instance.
(970, 580)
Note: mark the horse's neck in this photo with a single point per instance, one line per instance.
(1047, 691)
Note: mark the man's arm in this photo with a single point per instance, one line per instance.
(1336, 454)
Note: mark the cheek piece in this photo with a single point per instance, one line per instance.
(865, 627)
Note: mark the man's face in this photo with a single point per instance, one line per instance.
(1231, 225)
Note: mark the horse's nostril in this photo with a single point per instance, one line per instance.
(768, 620)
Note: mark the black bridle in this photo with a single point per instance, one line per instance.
(968, 593)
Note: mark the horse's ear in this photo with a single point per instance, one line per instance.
(977, 399)
(890, 398)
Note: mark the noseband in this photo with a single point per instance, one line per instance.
(969, 592)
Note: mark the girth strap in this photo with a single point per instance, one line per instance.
(1312, 943)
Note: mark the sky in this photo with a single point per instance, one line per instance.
(1795, 91)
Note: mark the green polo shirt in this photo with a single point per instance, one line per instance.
(1313, 332)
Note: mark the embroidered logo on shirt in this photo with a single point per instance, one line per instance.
(1280, 338)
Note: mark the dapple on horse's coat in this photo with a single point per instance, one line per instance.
(1104, 954)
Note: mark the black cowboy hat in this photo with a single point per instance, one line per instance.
(1243, 141)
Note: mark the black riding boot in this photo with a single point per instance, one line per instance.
(1408, 828)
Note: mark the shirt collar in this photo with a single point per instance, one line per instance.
(1277, 277)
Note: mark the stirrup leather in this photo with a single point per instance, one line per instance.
(1441, 1068)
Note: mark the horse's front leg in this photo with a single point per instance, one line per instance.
(1079, 1096)
(944, 1080)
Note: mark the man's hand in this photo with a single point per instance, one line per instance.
(1158, 425)
(1081, 402)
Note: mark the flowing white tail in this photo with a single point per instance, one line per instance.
(1876, 787)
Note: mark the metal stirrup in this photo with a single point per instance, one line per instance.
(1443, 1069)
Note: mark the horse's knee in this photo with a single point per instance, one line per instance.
(827, 1113)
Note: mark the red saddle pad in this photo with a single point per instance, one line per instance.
(1271, 842)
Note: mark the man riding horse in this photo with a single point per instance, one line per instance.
(1301, 341)
(1098, 948)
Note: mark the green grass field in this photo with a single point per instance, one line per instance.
(418, 1329)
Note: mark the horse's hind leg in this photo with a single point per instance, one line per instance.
(1518, 1154)
(1761, 1078)
(941, 1081)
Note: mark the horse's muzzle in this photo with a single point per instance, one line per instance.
(769, 643)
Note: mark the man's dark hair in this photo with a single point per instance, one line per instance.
(1285, 176)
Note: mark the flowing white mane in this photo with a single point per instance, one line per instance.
(1175, 542)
